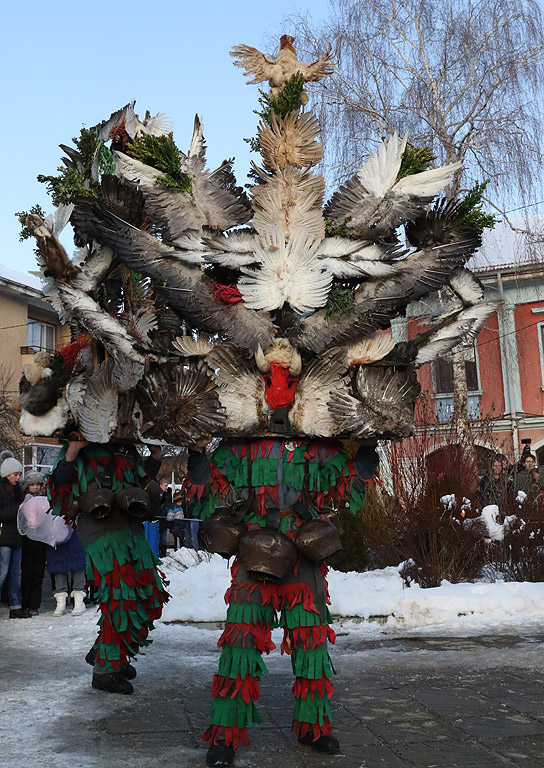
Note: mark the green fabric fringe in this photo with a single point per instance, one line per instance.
(299, 617)
(230, 712)
(125, 546)
(312, 664)
(241, 661)
(310, 710)
(246, 613)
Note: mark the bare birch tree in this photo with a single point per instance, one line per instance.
(461, 76)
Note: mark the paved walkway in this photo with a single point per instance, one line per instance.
(428, 703)
(422, 702)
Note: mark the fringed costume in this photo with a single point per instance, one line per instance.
(131, 589)
(273, 475)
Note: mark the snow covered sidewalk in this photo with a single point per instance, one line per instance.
(375, 603)
(428, 687)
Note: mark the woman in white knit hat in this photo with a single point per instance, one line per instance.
(11, 496)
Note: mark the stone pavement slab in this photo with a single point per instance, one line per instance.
(398, 703)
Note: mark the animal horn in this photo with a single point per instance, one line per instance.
(296, 364)
(262, 363)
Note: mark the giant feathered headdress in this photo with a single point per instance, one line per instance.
(208, 311)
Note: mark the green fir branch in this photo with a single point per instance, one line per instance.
(160, 152)
(68, 185)
(288, 101)
(340, 302)
(415, 160)
(25, 233)
(471, 212)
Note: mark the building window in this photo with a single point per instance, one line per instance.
(40, 336)
(443, 384)
(41, 458)
(540, 328)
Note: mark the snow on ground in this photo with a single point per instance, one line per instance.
(50, 715)
(373, 603)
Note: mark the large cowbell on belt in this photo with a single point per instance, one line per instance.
(134, 501)
(222, 532)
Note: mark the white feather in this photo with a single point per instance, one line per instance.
(46, 425)
(378, 174)
(289, 274)
(134, 170)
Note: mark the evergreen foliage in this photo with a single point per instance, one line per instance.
(25, 233)
(339, 302)
(415, 160)
(160, 152)
(288, 101)
(68, 185)
(470, 209)
(77, 181)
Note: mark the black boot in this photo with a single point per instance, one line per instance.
(128, 671)
(19, 613)
(220, 754)
(112, 682)
(325, 745)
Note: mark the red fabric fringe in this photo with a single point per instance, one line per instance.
(301, 729)
(306, 638)
(302, 687)
(108, 634)
(225, 687)
(262, 638)
(234, 737)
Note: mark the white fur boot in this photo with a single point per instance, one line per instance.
(79, 606)
(61, 598)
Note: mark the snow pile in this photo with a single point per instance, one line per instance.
(198, 582)
(377, 600)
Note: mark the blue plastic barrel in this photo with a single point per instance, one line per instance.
(152, 535)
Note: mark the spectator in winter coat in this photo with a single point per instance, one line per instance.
(11, 496)
(494, 486)
(33, 554)
(528, 480)
(175, 516)
(164, 524)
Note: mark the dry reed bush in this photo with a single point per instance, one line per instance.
(405, 520)
(520, 556)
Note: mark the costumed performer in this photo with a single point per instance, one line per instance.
(283, 484)
(104, 486)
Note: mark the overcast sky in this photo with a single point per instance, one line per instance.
(68, 64)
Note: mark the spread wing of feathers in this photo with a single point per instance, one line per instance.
(191, 347)
(180, 402)
(374, 202)
(75, 394)
(126, 120)
(233, 251)
(287, 273)
(97, 413)
(377, 301)
(240, 388)
(323, 376)
(213, 201)
(280, 69)
(290, 141)
(385, 403)
(465, 326)
(184, 285)
(370, 350)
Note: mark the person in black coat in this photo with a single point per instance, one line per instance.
(11, 496)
